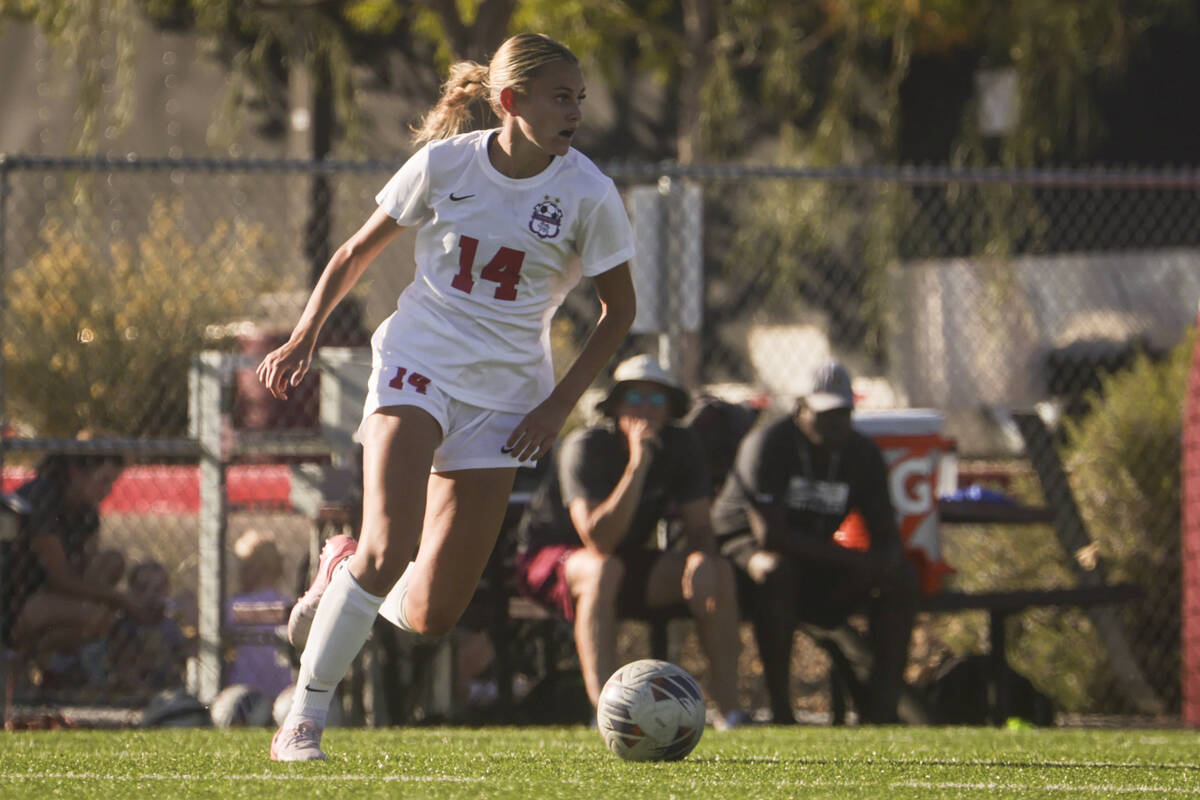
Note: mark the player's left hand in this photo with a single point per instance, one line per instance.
(534, 437)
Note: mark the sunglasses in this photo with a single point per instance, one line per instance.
(635, 398)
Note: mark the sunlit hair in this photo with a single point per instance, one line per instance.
(260, 564)
(472, 86)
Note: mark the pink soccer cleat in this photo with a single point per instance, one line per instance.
(336, 550)
(301, 743)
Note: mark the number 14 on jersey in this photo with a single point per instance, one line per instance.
(504, 269)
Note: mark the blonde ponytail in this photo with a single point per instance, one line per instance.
(456, 109)
(515, 63)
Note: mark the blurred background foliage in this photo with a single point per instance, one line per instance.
(119, 349)
(837, 83)
(1133, 517)
(831, 83)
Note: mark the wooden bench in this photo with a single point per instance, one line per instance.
(1001, 605)
(847, 650)
(850, 655)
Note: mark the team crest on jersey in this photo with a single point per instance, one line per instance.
(547, 217)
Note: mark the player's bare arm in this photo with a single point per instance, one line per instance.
(534, 437)
(287, 365)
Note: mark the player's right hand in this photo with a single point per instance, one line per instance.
(283, 368)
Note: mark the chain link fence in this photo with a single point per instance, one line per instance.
(982, 294)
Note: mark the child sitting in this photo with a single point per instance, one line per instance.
(254, 614)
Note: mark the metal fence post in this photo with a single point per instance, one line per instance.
(5, 168)
(680, 257)
(206, 385)
(670, 342)
(6, 531)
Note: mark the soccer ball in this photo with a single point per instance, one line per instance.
(175, 708)
(239, 706)
(651, 710)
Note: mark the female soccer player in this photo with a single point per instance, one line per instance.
(462, 388)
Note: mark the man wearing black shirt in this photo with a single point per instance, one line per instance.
(589, 544)
(793, 482)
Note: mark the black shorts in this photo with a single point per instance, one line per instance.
(822, 594)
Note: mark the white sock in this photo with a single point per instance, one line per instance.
(339, 629)
(393, 605)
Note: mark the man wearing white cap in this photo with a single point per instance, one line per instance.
(793, 482)
(588, 542)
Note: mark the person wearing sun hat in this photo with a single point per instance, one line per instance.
(646, 369)
(793, 482)
(588, 542)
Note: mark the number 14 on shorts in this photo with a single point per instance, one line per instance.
(414, 379)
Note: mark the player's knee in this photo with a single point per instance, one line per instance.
(437, 626)
(433, 621)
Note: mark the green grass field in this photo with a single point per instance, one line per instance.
(535, 763)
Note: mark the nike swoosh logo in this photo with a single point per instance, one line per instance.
(311, 689)
(506, 449)
(460, 197)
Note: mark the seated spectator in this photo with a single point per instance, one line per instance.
(146, 653)
(793, 482)
(588, 542)
(720, 425)
(258, 610)
(60, 590)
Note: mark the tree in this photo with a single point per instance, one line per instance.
(825, 80)
(699, 80)
(86, 34)
(115, 322)
(827, 84)
(263, 43)
(1124, 459)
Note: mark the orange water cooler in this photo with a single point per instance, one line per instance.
(916, 454)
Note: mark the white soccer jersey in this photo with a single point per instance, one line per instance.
(495, 258)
